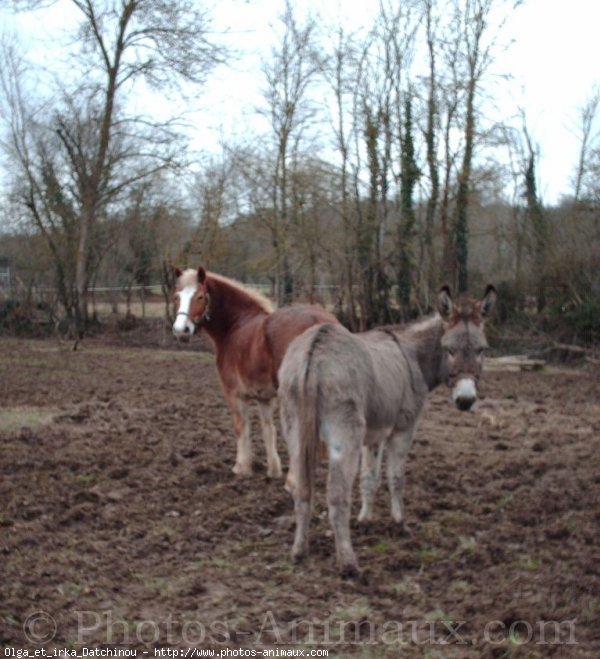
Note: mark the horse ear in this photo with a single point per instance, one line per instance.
(488, 301)
(177, 272)
(201, 275)
(445, 304)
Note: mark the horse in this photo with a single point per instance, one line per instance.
(250, 340)
(359, 393)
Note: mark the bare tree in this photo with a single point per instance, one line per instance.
(588, 114)
(288, 74)
(467, 47)
(431, 144)
(338, 68)
(162, 42)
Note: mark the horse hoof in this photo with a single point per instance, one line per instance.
(274, 472)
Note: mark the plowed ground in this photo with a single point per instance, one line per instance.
(122, 525)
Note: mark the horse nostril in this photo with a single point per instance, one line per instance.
(186, 330)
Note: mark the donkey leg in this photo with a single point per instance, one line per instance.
(344, 444)
(266, 411)
(289, 429)
(302, 498)
(369, 480)
(399, 445)
(302, 510)
(241, 425)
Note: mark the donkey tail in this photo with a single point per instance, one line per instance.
(309, 449)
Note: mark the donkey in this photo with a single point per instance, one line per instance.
(360, 392)
(250, 340)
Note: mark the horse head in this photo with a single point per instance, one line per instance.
(464, 342)
(192, 301)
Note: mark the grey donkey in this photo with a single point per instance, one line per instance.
(359, 393)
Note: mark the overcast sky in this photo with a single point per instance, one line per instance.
(554, 61)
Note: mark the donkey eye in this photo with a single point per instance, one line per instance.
(450, 352)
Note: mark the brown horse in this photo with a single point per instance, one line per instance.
(250, 340)
(361, 392)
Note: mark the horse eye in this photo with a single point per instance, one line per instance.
(450, 352)
(200, 297)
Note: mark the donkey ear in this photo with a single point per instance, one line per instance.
(177, 272)
(488, 301)
(201, 275)
(445, 304)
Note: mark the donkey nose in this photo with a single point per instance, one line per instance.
(464, 404)
(464, 394)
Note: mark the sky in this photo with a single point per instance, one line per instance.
(553, 60)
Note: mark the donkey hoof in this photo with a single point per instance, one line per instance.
(401, 530)
(242, 470)
(298, 555)
(290, 483)
(350, 571)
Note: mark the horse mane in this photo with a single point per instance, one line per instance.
(263, 302)
(189, 277)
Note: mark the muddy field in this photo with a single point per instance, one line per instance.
(122, 526)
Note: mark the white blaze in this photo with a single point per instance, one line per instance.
(182, 320)
(464, 388)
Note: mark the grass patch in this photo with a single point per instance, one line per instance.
(159, 586)
(591, 611)
(528, 563)
(503, 501)
(427, 555)
(460, 586)
(381, 547)
(15, 418)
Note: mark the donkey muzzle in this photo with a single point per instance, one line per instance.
(464, 394)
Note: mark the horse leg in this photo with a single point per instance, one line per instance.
(399, 445)
(344, 440)
(266, 411)
(241, 425)
(370, 467)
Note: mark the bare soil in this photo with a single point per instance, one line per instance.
(122, 525)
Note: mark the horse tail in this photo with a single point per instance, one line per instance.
(308, 418)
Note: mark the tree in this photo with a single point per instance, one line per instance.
(537, 221)
(477, 59)
(95, 140)
(431, 144)
(337, 66)
(380, 114)
(588, 113)
(409, 176)
(288, 75)
(467, 47)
